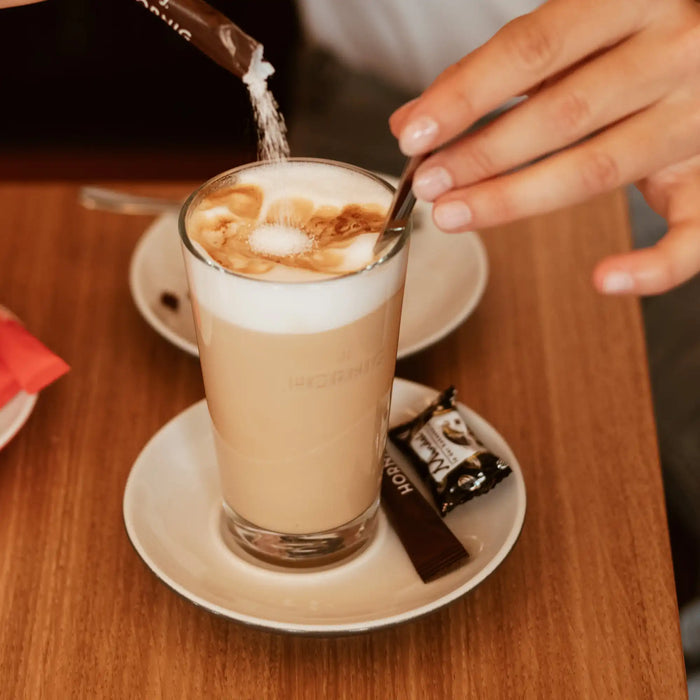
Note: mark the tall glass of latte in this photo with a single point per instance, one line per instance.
(297, 325)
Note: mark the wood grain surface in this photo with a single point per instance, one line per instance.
(584, 607)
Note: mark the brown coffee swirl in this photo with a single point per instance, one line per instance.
(224, 221)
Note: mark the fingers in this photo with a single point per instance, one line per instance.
(399, 116)
(597, 94)
(673, 192)
(672, 261)
(523, 54)
(639, 145)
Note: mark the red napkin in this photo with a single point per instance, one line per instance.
(25, 363)
(9, 386)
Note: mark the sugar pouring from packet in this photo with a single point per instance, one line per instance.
(224, 42)
(209, 30)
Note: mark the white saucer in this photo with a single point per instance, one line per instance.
(14, 414)
(172, 509)
(446, 278)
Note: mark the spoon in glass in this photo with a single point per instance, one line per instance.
(401, 206)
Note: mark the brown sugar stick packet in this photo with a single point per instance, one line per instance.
(432, 547)
(210, 31)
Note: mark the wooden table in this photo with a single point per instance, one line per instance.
(584, 607)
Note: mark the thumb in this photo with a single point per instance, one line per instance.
(672, 261)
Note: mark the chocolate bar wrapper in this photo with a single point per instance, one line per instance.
(447, 455)
(430, 544)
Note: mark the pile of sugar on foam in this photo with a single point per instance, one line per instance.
(278, 240)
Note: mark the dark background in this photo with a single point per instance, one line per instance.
(107, 75)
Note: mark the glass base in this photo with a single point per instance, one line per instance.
(302, 550)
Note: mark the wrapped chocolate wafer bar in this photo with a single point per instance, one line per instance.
(430, 544)
(447, 455)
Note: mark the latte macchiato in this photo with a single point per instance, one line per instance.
(297, 326)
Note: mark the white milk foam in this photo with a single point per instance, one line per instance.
(302, 301)
(320, 182)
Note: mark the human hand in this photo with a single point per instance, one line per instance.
(14, 3)
(613, 98)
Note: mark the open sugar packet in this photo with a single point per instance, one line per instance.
(25, 363)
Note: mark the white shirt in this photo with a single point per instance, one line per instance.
(408, 42)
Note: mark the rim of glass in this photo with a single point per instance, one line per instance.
(210, 184)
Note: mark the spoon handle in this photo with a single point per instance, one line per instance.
(124, 202)
(401, 205)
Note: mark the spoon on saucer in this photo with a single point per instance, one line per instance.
(124, 202)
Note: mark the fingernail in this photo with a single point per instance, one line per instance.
(432, 183)
(418, 135)
(618, 282)
(452, 215)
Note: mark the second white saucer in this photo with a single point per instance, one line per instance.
(445, 280)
